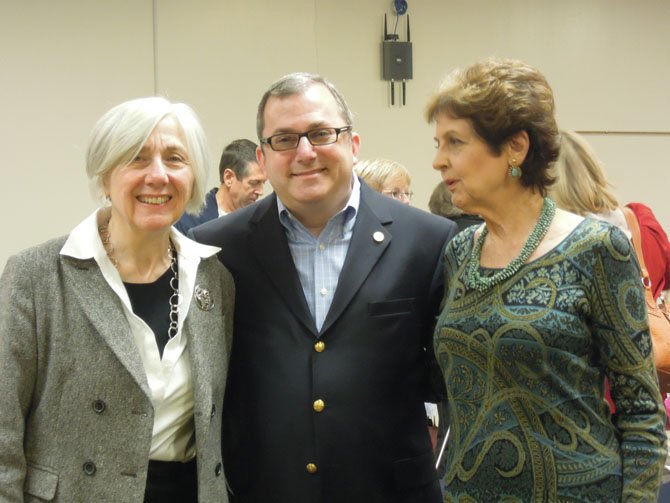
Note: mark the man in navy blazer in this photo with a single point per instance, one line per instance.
(337, 289)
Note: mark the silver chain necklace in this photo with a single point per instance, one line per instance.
(174, 298)
(105, 235)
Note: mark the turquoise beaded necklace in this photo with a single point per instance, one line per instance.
(474, 280)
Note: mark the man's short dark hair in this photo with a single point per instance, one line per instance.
(236, 156)
(298, 83)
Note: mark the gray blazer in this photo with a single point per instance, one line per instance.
(75, 411)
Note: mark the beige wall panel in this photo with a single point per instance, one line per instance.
(637, 168)
(606, 59)
(62, 65)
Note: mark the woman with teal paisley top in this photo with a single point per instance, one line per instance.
(540, 306)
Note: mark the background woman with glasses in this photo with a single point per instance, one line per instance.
(388, 177)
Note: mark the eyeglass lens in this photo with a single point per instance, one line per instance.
(317, 137)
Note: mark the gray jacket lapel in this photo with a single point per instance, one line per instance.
(104, 309)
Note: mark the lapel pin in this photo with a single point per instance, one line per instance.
(203, 298)
(378, 236)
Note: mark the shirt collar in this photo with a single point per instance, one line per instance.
(84, 241)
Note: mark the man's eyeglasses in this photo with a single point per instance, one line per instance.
(399, 194)
(317, 137)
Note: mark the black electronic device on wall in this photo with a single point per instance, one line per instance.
(397, 59)
(397, 62)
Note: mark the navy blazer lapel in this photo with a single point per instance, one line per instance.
(270, 246)
(365, 250)
(104, 309)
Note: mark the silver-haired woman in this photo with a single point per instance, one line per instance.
(114, 340)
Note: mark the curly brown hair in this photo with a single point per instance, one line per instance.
(502, 97)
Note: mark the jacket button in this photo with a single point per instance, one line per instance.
(89, 468)
(318, 405)
(99, 406)
(213, 411)
(218, 469)
(319, 347)
(311, 468)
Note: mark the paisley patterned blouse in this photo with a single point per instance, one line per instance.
(524, 364)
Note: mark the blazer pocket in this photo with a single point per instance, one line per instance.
(391, 307)
(40, 482)
(414, 472)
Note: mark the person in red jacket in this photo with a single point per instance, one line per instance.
(655, 248)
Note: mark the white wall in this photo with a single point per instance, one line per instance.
(62, 64)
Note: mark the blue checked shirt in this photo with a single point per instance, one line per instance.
(319, 260)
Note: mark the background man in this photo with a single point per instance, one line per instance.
(242, 183)
(337, 288)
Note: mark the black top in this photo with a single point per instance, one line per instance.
(151, 302)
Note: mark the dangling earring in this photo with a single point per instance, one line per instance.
(514, 171)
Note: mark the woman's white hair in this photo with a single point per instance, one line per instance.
(120, 133)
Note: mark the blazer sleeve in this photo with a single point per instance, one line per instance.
(18, 370)
(437, 391)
